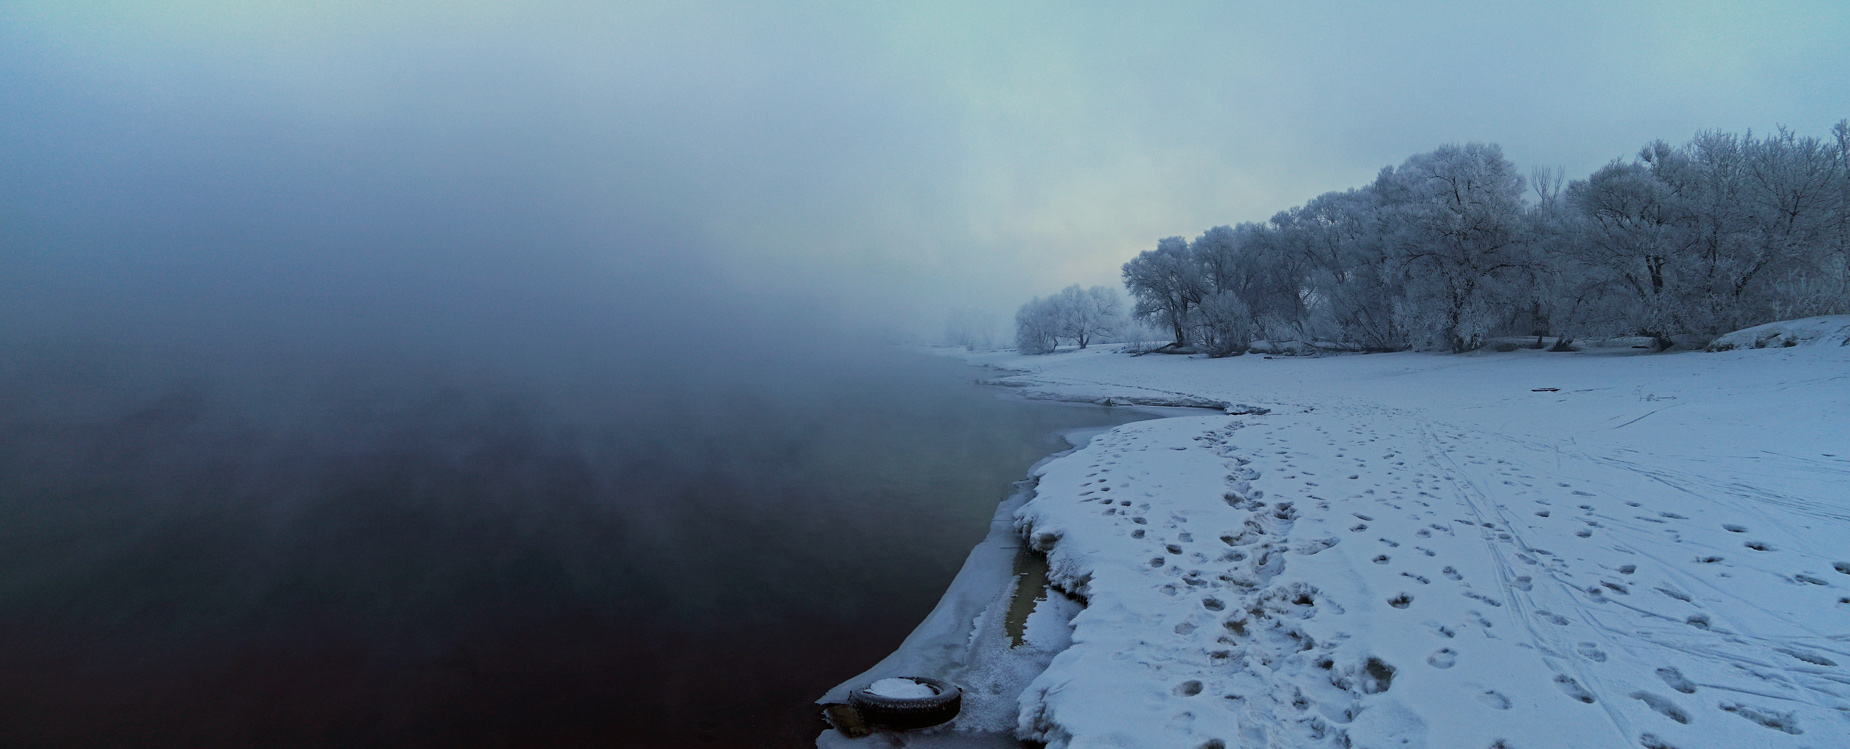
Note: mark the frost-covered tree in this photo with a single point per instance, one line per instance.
(1087, 315)
(1635, 233)
(1836, 262)
(1454, 219)
(1350, 294)
(1566, 295)
(1222, 323)
(1037, 326)
(1794, 187)
(1165, 283)
(1721, 232)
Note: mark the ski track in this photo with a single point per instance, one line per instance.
(1356, 573)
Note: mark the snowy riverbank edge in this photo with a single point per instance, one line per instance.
(963, 640)
(1507, 549)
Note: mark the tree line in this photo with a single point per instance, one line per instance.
(1454, 247)
(1081, 316)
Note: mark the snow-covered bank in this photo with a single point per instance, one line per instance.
(965, 639)
(1607, 548)
(1538, 549)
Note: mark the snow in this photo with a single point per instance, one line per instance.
(1832, 329)
(964, 641)
(1422, 550)
(901, 688)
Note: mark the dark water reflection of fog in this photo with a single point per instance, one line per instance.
(386, 558)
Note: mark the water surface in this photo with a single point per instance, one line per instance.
(372, 554)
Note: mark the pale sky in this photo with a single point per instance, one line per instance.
(887, 161)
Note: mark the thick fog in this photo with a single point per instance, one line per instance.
(889, 162)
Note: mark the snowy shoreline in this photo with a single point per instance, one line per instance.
(965, 638)
(1516, 549)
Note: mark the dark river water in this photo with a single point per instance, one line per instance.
(366, 557)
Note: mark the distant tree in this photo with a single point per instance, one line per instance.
(1722, 232)
(1037, 326)
(1166, 283)
(1086, 315)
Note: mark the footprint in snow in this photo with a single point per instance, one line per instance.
(1675, 680)
(1552, 618)
(1442, 658)
(1401, 601)
(1573, 689)
(1590, 652)
(1662, 705)
(1732, 528)
(1770, 718)
(1451, 574)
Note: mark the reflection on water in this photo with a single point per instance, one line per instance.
(386, 559)
(1031, 588)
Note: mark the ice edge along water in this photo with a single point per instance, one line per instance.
(1418, 550)
(964, 640)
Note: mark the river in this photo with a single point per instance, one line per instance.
(384, 559)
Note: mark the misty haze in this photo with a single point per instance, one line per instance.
(703, 374)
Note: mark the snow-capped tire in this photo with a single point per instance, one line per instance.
(909, 713)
